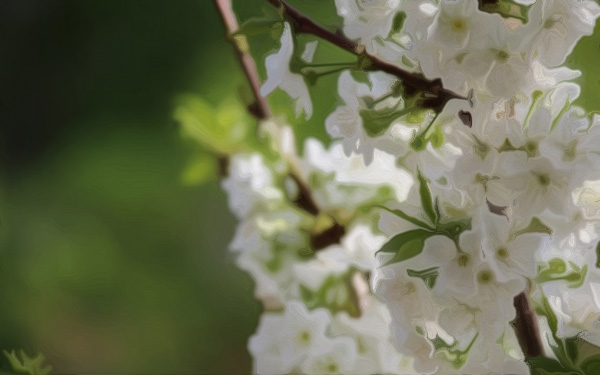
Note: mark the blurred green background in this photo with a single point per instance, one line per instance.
(108, 262)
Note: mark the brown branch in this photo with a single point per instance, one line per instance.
(435, 97)
(259, 108)
(526, 327)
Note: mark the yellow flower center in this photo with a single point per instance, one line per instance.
(458, 25)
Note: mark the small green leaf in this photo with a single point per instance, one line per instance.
(535, 226)
(406, 245)
(557, 270)
(426, 199)
(27, 365)
(598, 255)
(429, 275)
(437, 137)
(546, 366)
(398, 23)
(505, 8)
(361, 77)
(453, 229)
(377, 122)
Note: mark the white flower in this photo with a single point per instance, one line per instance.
(371, 332)
(352, 171)
(250, 184)
(346, 123)
(509, 255)
(588, 197)
(279, 75)
(268, 247)
(558, 25)
(284, 343)
(336, 357)
(367, 20)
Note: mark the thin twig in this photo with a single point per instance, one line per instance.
(526, 327)
(438, 95)
(259, 108)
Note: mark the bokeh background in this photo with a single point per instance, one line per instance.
(111, 259)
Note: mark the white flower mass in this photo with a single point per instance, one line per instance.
(373, 255)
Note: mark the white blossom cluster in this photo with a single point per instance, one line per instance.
(439, 220)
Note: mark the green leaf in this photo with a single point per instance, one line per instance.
(557, 270)
(377, 121)
(361, 77)
(535, 226)
(505, 8)
(598, 255)
(408, 218)
(571, 348)
(26, 364)
(406, 245)
(429, 275)
(398, 23)
(449, 352)
(437, 137)
(591, 365)
(453, 229)
(426, 199)
(546, 366)
(336, 294)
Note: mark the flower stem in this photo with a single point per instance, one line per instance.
(259, 108)
(526, 327)
(435, 94)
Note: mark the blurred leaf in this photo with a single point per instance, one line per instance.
(224, 129)
(336, 294)
(200, 169)
(26, 364)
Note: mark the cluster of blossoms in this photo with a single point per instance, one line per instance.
(403, 245)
